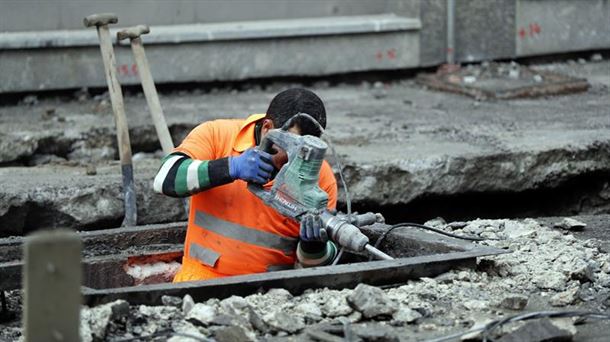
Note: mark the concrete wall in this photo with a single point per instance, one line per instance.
(37, 15)
(484, 30)
(554, 26)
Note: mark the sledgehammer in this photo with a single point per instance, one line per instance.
(101, 21)
(152, 98)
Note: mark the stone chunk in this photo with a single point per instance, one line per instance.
(280, 294)
(371, 301)
(538, 331)
(375, 332)
(564, 298)
(283, 321)
(405, 315)
(336, 306)
(232, 334)
(171, 301)
(514, 302)
(256, 321)
(187, 304)
(310, 312)
(98, 318)
(570, 224)
(550, 280)
(201, 314)
(234, 305)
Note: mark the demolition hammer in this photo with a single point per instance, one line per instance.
(295, 191)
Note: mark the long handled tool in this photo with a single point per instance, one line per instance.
(152, 98)
(101, 21)
(148, 85)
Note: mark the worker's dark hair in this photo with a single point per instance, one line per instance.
(297, 100)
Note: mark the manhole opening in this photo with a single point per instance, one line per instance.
(128, 257)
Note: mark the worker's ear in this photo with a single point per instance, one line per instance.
(266, 127)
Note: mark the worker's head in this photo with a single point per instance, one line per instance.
(290, 102)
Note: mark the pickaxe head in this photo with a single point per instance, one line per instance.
(133, 32)
(101, 19)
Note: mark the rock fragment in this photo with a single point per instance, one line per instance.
(564, 298)
(282, 321)
(538, 331)
(311, 312)
(405, 315)
(97, 319)
(232, 334)
(375, 332)
(256, 321)
(171, 301)
(371, 301)
(336, 306)
(514, 302)
(570, 224)
(187, 304)
(201, 314)
(550, 280)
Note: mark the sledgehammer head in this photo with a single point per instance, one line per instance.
(133, 32)
(100, 19)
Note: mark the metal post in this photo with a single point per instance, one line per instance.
(52, 280)
(450, 31)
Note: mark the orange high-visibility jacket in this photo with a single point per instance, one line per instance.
(230, 230)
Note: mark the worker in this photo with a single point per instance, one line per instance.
(230, 230)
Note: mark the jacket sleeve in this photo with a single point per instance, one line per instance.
(181, 176)
(193, 166)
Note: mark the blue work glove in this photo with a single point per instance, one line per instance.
(253, 165)
(312, 228)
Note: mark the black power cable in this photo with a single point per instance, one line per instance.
(417, 225)
(489, 327)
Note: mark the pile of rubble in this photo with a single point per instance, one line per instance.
(547, 268)
(549, 263)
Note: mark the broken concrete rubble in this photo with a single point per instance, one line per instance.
(371, 301)
(454, 301)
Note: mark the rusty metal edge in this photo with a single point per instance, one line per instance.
(10, 248)
(560, 85)
(11, 272)
(297, 281)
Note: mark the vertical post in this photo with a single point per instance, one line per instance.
(450, 31)
(52, 280)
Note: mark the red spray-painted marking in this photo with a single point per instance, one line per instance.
(533, 29)
(387, 54)
(127, 70)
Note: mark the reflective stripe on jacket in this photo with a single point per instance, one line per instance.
(230, 230)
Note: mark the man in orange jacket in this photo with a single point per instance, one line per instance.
(230, 230)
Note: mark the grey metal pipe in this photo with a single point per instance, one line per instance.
(450, 31)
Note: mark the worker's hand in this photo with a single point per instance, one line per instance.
(253, 165)
(312, 228)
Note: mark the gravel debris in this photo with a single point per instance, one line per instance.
(545, 263)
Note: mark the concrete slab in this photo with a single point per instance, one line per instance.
(400, 144)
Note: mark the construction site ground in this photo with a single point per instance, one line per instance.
(408, 152)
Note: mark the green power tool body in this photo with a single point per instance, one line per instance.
(295, 190)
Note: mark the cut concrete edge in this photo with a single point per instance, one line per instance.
(190, 33)
(296, 281)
